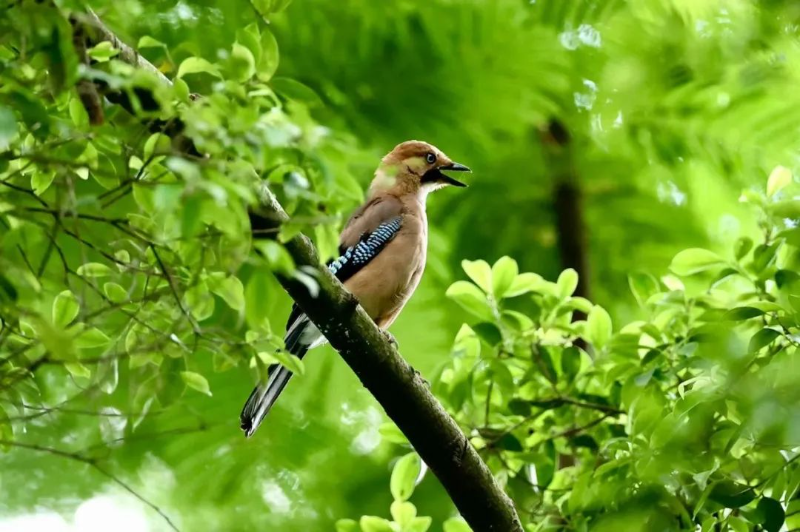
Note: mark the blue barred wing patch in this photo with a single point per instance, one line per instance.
(356, 257)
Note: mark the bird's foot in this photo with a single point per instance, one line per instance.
(420, 377)
(392, 340)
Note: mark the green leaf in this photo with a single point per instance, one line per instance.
(770, 514)
(488, 332)
(370, 523)
(36, 118)
(643, 286)
(115, 293)
(231, 290)
(695, 260)
(276, 256)
(6, 430)
(65, 308)
(731, 495)
(509, 442)
(77, 112)
(389, 432)
(196, 382)
(290, 362)
(180, 89)
(470, 298)
(785, 209)
(197, 65)
(41, 181)
(456, 524)
(480, 272)
(257, 298)
(761, 339)
(149, 42)
(570, 362)
(419, 524)
(598, 327)
(8, 127)
(94, 269)
(764, 256)
(780, 178)
(742, 313)
(270, 57)
(91, 338)
(157, 143)
(403, 512)
(199, 301)
(504, 272)
(7, 290)
(294, 90)
(742, 247)
(347, 525)
(404, 476)
(242, 63)
(524, 283)
(567, 283)
(78, 370)
(737, 524)
(102, 52)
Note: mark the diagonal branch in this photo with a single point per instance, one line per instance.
(399, 389)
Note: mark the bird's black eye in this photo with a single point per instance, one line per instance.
(431, 158)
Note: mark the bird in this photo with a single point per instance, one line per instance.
(382, 253)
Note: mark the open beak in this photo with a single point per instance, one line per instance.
(454, 167)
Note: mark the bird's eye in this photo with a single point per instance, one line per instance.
(431, 158)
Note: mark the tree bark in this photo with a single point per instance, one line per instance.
(400, 390)
(568, 205)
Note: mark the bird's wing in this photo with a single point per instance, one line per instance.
(367, 232)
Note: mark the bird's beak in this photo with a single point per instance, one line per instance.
(454, 167)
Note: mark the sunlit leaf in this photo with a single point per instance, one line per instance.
(197, 65)
(403, 512)
(599, 328)
(290, 362)
(231, 290)
(470, 298)
(567, 283)
(347, 525)
(371, 523)
(103, 51)
(780, 178)
(94, 269)
(695, 260)
(456, 524)
(196, 381)
(65, 308)
(404, 476)
(480, 272)
(504, 273)
(115, 293)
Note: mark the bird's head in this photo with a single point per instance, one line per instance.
(416, 167)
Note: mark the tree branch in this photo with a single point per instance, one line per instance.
(399, 389)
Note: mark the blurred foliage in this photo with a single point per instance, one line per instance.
(136, 313)
(685, 419)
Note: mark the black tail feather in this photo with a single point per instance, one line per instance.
(263, 397)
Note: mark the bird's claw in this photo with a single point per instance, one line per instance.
(420, 377)
(392, 340)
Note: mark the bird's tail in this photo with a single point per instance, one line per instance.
(299, 339)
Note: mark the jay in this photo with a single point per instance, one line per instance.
(382, 256)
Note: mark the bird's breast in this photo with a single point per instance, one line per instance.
(386, 284)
